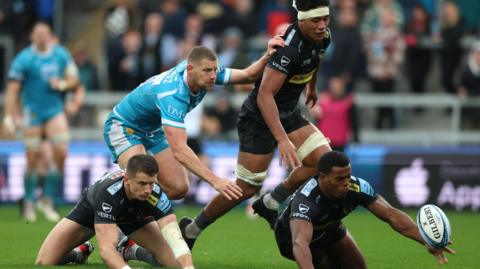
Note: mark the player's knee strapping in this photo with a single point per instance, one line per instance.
(314, 141)
(172, 234)
(255, 179)
(32, 143)
(60, 138)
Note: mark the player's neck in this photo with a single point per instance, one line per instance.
(127, 192)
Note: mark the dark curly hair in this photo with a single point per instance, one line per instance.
(304, 5)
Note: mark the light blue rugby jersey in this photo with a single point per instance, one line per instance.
(35, 70)
(163, 99)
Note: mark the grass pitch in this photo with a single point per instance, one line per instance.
(236, 241)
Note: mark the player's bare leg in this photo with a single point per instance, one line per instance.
(32, 140)
(311, 145)
(60, 246)
(255, 163)
(172, 176)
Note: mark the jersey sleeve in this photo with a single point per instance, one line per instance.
(303, 207)
(172, 109)
(364, 193)
(285, 60)
(223, 75)
(18, 68)
(161, 205)
(106, 210)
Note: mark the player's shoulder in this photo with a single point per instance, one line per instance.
(60, 50)
(25, 54)
(360, 185)
(111, 183)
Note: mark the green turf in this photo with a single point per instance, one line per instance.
(237, 242)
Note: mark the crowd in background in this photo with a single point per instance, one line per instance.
(377, 41)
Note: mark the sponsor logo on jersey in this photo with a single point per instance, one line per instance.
(129, 130)
(175, 112)
(354, 187)
(106, 207)
(105, 215)
(156, 188)
(284, 61)
(279, 67)
(303, 208)
(300, 215)
(152, 200)
(164, 204)
(301, 79)
(307, 189)
(115, 187)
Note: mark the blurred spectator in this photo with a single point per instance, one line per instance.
(118, 20)
(174, 17)
(215, 15)
(470, 86)
(347, 48)
(232, 55)
(336, 114)
(385, 53)
(156, 49)
(87, 71)
(245, 17)
(452, 31)
(419, 50)
(194, 32)
(220, 120)
(16, 19)
(45, 10)
(373, 16)
(129, 66)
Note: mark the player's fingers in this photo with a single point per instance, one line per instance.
(224, 193)
(235, 190)
(449, 250)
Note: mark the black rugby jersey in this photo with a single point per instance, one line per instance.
(309, 204)
(299, 60)
(109, 202)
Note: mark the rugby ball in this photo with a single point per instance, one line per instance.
(434, 226)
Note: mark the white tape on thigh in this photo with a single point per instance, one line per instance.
(314, 141)
(32, 143)
(62, 138)
(173, 236)
(255, 179)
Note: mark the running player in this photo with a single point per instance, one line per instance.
(151, 118)
(131, 201)
(38, 77)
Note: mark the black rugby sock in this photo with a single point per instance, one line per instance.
(280, 194)
(143, 255)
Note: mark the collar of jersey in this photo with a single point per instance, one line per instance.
(43, 54)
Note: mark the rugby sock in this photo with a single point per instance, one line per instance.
(198, 225)
(51, 183)
(142, 254)
(74, 256)
(30, 183)
(273, 199)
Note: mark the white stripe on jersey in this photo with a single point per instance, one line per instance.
(290, 37)
(173, 123)
(228, 75)
(165, 94)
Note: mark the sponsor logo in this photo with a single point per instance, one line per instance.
(410, 178)
(279, 67)
(129, 130)
(303, 208)
(284, 60)
(105, 215)
(431, 222)
(152, 200)
(300, 215)
(106, 207)
(307, 189)
(175, 112)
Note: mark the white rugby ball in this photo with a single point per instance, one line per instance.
(434, 226)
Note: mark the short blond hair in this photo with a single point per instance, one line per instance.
(199, 53)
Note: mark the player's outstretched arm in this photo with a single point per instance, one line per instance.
(107, 237)
(177, 138)
(254, 71)
(11, 115)
(271, 83)
(403, 224)
(173, 236)
(302, 232)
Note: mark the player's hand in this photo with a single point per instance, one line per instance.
(58, 84)
(273, 43)
(288, 154)
(9, 126)
(440, 253)
(71, 109)
(311, 98)
(227, 188)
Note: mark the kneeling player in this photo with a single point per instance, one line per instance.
(310, 230)
(134, 203)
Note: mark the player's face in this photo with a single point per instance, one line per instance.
(204, 74)
(41, 35)
(335, 184)
(314, 28)
(141, 186)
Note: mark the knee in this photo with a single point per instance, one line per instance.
(43, 261)
(177, 192)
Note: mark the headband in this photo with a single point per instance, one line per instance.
(312, 13)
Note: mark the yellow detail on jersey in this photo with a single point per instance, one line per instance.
(354, 187)
(152, 200)
(301, 79)
(129, 130)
